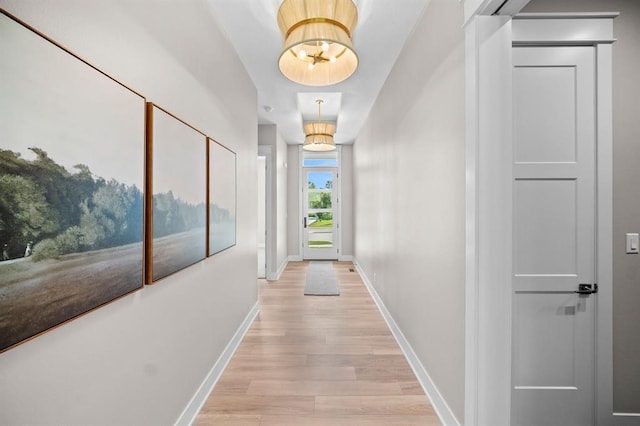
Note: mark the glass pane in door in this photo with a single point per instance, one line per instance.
(320, 229)
(320, 180)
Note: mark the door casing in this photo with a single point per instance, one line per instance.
(488, 44)
(331, 253)
(337, 208)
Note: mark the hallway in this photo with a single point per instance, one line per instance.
(310, 360)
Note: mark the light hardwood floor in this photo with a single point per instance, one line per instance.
(317, 360)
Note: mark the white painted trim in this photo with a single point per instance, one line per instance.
(338, 194)
(580, 15)
(346, 258)
(575, 29)
(189, 414)
(300, 202)
(471, 224)
(267, 152)
(295, 258)
(438, 402)
(604, 336)
(281, 269)
(340, 198)
(488, 221)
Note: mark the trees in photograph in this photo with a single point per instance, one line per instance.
(56, 212)
(172, 215)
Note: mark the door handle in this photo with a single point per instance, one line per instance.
(587, 288)
(305, 222)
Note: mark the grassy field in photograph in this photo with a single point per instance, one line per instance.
(35, 296)
(177, 251)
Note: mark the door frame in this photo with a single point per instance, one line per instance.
(334, 208)
(337, 208)
(271, 272)
(488, 43)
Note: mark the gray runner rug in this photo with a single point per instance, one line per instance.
(321, 281)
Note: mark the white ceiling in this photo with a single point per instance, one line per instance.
(383, 26)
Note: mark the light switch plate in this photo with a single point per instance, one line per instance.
(633, 244)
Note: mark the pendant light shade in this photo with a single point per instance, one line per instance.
(319, 134)
(317, 47)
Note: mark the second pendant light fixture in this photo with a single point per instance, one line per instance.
(319, 134)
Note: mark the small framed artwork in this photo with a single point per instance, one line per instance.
(222, 198)
(176, 194)
(71, 185)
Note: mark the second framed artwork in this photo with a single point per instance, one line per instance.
(222, 198)
(176, 194)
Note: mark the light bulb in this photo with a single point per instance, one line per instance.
(302, 54)
(332, 59)
(325, 46)
(310, 67)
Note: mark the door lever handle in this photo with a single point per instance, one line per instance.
(587, 288)
(305, 222)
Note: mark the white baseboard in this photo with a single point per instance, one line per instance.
(437, 401)
(192, 409)
(281, 269)
(295, 258)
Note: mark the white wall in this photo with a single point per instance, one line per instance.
(268, 135)
(409, 188)
(140, 359)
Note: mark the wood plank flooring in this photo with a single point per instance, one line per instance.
(317, 360)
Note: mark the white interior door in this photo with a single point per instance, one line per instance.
(320, 220)
(554, 244)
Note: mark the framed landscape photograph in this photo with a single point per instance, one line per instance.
(71, 185)
(222, 198)
(177, 195)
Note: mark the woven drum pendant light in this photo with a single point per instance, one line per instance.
(317, 47)
(319, 134)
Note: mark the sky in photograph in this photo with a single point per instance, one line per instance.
(52, 101)
(179, 159)
(223, 177)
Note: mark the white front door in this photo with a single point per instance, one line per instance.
(554, 237)
(319, 218)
